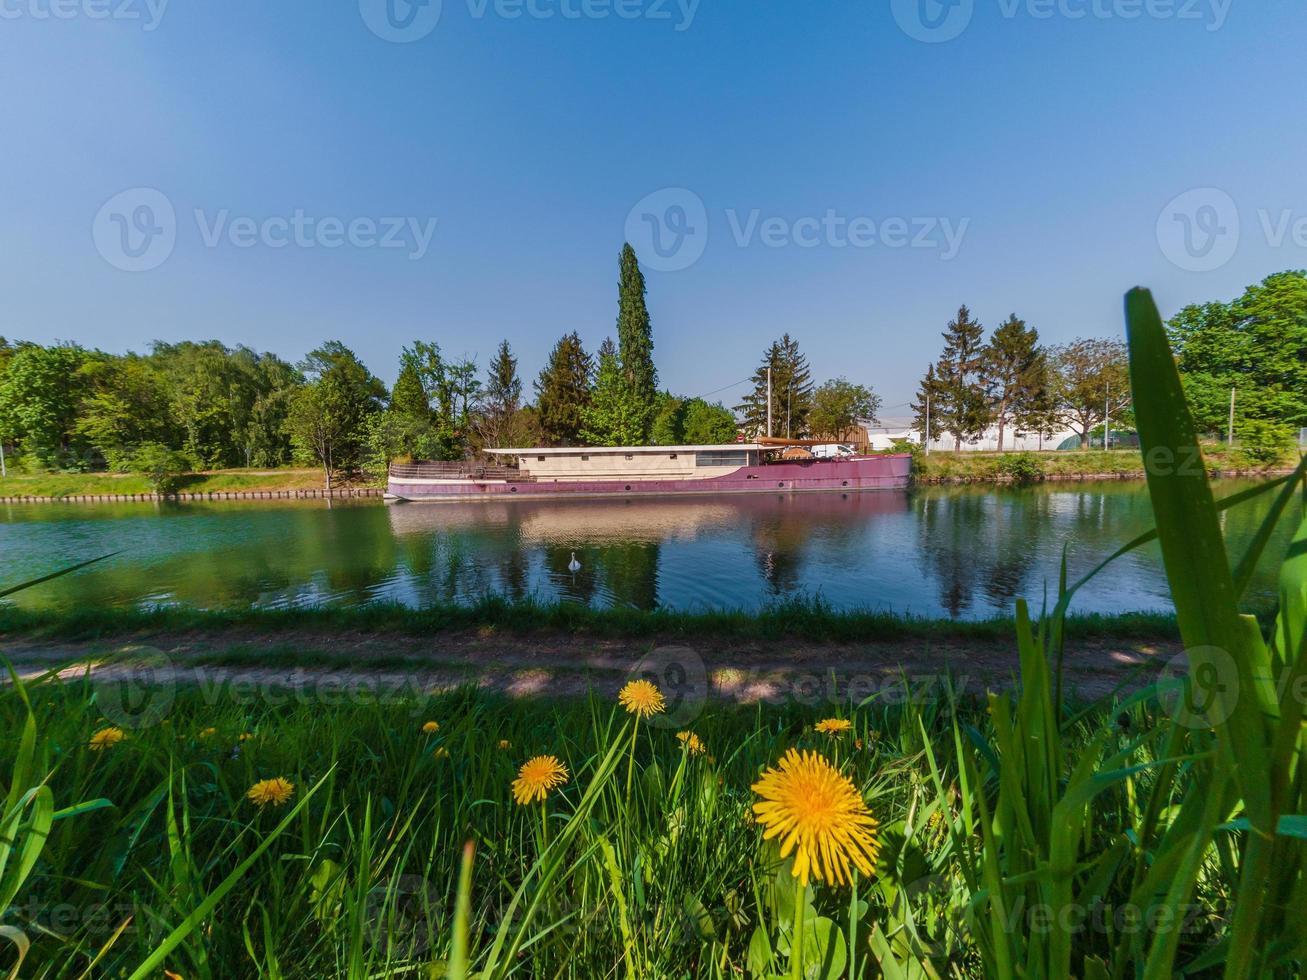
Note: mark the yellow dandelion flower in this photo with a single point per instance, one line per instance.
(208, 733)
(537, 777)
(505, 745)
(642, 698)
(106, 738)
(245, 737)
(441, 752)
(431, 726)
(819, 815)
(692, 742)
(276, 791)
(833, 726)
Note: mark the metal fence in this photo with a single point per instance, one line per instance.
(457, 470)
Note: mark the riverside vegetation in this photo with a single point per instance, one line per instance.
(462, 836)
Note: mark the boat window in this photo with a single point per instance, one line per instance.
(723, 457)
(541, 458)
(629, 456)
(585, 459)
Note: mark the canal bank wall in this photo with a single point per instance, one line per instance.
(124, 498)
(1137, 475)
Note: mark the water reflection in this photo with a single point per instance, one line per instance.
(960, 552)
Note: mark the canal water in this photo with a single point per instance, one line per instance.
(959, 552)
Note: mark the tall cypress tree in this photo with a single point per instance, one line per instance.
(563, 391)
(635, 340)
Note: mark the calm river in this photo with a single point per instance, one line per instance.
(961, 552)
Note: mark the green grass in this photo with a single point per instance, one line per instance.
(805, 619)
(987, 467)
(91, 484)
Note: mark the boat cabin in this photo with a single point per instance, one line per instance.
(585, 463)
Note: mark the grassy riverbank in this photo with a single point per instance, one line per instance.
(986, 467)
(217, 481)
(810, 620)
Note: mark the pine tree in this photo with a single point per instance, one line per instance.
(1013, 372)
(501, 399)
(926, 407)
(613, 418)
(959, 396)
(791, 392)
(635, 340)
(563, 391)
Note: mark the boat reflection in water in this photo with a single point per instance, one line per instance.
(523, 547)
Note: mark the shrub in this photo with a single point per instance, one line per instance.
(1021, 468)
(162, 466)
(1264, 442)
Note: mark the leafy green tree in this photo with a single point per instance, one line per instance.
(39, 398)
(1014, 371)
(612, 417)
(635, 341)
(839, 405)
(668, 427)
(563, 391)
(501, 400)
(707, 423)
(1091, 377)
(1264, 442)
(958, 401)
(1256, 344)
(409, 397)
(161, 466)
(329, 415)
(791, 392)
(925, 407)
(126, 404)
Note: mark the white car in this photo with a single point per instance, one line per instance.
(833, 450)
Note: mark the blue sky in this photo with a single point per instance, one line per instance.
(1050, 136)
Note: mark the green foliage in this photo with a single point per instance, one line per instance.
(1091, 377)
(707, 423)
(613, 416)
(955, 384)
(409, 397)
(791, 386)
(328, 415)
(1020, 468)
(563, 391)
(635, 343)
(838, 406)
(1256, 344)
(1264, 442)
(668, 426)
(501, 401)
(161, 466)
(1016, 377)
(39, 397)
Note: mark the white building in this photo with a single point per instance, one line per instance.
(881, 437)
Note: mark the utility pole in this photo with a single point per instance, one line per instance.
(768, 401)
(1107, 418)
(788, 434)
(1229, 433)
(927, 438)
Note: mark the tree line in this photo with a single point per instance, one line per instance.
(1009, 381)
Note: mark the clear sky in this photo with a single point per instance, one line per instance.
(1033, 158)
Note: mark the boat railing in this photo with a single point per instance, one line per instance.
(462, 469)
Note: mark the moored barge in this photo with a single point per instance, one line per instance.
(607, 471)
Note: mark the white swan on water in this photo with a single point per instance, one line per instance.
(574, 566)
